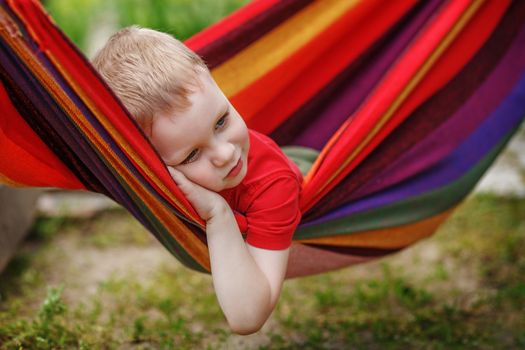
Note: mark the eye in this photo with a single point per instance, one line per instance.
(191, 157)
(222, 122)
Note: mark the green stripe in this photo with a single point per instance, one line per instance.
(410, 210)
(303, 157)
(161, 233)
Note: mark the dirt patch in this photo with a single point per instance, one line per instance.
(84, 268)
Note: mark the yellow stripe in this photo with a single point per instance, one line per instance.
(279, 44)
(388, 238)
(420, 74)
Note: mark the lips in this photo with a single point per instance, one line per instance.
(236, 169)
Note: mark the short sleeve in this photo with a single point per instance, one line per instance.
(274, 212)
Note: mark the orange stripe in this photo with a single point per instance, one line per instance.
(262, 56)
(388, 238)
(9, 182)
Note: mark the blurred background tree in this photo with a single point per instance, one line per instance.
(88, 22)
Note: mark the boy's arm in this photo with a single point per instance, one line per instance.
(247, 280)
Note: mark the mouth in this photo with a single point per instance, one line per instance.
(236, 169)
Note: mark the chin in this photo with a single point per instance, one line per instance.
(233, 184)
(237, 181)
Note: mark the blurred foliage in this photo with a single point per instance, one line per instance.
(182, 18)
(75, 16)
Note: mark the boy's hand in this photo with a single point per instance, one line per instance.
(207, 203)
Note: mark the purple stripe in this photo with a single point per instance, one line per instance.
(86, 160)
(343, 100)
(492, 131)
(432, 149)
(428, 116)
(83, 161)
(57, 130)
(40, 109)
(33, 103)
(357, 251)
(113, 185)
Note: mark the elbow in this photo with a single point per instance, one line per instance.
(249, 320)
(246, 327)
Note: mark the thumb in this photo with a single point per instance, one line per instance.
(185, 185)
(177, 176)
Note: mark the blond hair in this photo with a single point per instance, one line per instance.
(151, 72)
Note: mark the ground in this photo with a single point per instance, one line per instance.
(115, 287)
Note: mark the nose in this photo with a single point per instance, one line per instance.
(223, 153)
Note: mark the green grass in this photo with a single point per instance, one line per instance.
(464, 288)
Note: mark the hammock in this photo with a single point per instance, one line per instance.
(407, 102)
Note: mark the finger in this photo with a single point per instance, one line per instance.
(176, 175)
(185, 185)
(173, 171)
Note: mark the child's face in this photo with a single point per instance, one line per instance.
(208, 142)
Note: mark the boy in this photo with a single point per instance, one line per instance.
(237, 179)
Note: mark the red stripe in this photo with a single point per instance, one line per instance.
(229, 23)
(277, 95)
(24, 157)
(457, 55)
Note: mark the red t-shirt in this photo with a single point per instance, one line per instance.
(266, 202)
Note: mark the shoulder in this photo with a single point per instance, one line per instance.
(273, 212)
(266, 161)
(274, 191)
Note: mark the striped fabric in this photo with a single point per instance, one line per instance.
(408, 102)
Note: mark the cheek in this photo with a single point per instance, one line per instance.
(241, 132)
(199, 173)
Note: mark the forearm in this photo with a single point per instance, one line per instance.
(242, 289)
